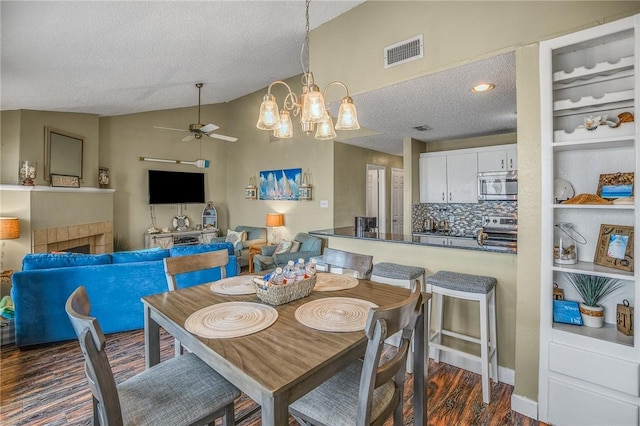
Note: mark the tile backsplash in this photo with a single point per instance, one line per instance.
(467, 218)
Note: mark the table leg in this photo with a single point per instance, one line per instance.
(275, 411)
(250, 263)
(420, 369)
(151, 339)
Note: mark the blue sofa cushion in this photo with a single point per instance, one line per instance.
(115, 292)
(35, 261)
(146, 255)
(199, 248)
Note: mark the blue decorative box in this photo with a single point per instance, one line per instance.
(566, 311)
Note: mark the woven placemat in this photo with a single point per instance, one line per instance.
(340, 314)
(235, 286)
(230, 319)
(334, 282)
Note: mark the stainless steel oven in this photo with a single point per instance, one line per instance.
(498, 185)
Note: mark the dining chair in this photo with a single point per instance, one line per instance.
(179, 391)
(361, 263)
(367, 391)
(174, 266)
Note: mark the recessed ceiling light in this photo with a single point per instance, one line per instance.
(483, 87)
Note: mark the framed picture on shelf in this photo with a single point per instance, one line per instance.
(65, 181)
(615, 185)
(615, 247)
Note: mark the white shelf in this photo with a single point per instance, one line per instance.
(597, 143)
(588, 101)
(590, 268)
(601, 69)
(594, 206)
(592, 72)
(608, 333)
(625, 131)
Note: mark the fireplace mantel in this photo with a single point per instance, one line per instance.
(45, 211)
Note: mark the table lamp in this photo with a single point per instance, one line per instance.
(274, 220)
(9, 230)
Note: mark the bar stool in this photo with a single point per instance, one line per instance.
(399, 276)
(468, 287)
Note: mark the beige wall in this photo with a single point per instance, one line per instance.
(255, 151)
(125, 138)
(9, 146)
(350, 174)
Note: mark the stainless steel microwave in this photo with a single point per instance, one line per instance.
(498, 186)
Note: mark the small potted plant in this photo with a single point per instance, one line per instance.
(593, 289)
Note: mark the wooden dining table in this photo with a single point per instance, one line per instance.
(279, 364)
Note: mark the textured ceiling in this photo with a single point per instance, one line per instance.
(113, 58)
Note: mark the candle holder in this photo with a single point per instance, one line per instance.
(28, 172)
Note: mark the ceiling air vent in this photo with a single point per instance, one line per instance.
(405, 51)
(423, 128)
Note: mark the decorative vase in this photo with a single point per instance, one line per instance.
(28, 172)
(592, 316)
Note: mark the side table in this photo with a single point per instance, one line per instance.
(253, 250)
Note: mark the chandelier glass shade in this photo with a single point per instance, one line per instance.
(310, 106)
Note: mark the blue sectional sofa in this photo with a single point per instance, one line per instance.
(115, 283)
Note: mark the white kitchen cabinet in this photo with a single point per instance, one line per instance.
(433, 179)
(500, 158)
(449, 177)
(588, 375)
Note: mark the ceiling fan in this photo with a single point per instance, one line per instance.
(198, 130)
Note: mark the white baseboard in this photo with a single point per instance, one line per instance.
(505, 375)
(524, 405)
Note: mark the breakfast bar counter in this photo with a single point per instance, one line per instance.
(465, 242)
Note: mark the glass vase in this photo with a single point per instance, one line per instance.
(28, 172)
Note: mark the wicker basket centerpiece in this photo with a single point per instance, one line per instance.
(285, 293)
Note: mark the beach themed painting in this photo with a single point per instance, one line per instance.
(280, 184)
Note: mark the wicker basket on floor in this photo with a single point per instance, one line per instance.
(280, 294)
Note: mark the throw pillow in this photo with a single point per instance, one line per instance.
(233, 237)
(295, 246)
(283, 247)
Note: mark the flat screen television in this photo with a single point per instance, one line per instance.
(175, 187)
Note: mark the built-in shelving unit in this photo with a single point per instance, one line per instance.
(588, 375)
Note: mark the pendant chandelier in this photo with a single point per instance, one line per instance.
(310, 105)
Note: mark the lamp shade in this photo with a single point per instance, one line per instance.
(275, 219)
(9, 228)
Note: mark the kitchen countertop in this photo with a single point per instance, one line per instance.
(465, 242)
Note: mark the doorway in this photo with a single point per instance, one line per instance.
(376, 195)
(397, 201)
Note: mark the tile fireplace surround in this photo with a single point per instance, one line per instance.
(98, 235)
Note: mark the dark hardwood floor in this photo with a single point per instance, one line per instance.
(46, 386)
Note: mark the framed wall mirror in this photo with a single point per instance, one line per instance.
(62, 153)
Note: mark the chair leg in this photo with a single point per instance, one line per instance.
(177, 348)
(228, 418)
(484, 349)
(493, 338)
(439, 300)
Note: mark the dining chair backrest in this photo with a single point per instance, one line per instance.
(382, 323)
(361, 263)
(182, 264)
(97, 367)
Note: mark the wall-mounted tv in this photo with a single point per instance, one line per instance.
(175, 187)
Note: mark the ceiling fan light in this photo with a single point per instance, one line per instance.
(268, 118)
(325, 129)
(347, 115)
(312, 105)
(285, 128)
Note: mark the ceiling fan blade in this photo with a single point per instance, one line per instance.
(170, 128)
(223, 137)
(188, 138)
(208, 128)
